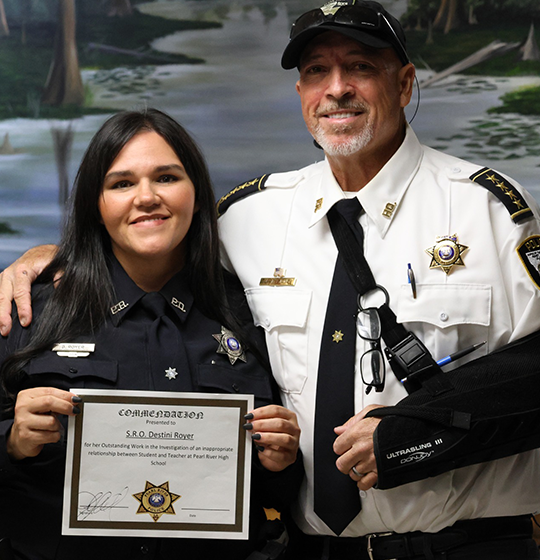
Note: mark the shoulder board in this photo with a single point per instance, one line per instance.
(239, 192)
(505, 192)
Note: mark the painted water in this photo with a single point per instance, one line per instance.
(243, 110)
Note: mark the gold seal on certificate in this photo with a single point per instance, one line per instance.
(156, 500)
(158, 464)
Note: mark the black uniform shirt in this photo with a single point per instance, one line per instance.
(134, 351)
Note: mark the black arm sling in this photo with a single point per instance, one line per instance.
(485, 410)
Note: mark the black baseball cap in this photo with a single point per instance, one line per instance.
(363, 20)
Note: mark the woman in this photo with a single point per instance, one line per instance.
(140, 278)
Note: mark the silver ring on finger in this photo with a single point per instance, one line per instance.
(360, 475)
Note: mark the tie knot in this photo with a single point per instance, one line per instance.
(154, 304)
(350, 209)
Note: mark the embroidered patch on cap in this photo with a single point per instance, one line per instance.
(529, 253)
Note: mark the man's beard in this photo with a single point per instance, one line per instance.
(347, 144)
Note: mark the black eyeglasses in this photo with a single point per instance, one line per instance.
(372, 365)
(352, 16)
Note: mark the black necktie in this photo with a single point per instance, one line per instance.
(336, 496)
(350, 209)
(166, 356)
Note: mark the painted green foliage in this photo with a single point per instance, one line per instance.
(38, 81)
(449, 14)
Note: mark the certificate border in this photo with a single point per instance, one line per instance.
(196, 400)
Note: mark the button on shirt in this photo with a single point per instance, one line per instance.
(419, 195)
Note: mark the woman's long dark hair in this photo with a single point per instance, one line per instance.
(84, 294)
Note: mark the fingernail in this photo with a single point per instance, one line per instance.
(248, 426)
(259, 448)
(76, 399)
(23, 320)
(3, 332)
(255, 436)
(76, 410)
(249, 416)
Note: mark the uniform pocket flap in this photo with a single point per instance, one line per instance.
(73, 368)
(274, 307)
(446, 305)
(217, 379)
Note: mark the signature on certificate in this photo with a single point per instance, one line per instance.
(90, 504)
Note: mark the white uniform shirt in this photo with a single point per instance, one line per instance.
(419, 195)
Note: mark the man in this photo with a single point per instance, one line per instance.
(354, 81)
(453, 260)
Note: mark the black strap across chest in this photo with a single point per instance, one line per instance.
(410, 360)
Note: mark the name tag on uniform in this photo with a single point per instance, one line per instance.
(74, 349)
(277, 282)
(278, 279)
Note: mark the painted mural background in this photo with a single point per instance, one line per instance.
(214, 65)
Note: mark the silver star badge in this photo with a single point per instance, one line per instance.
(230, 345)
(171, 373)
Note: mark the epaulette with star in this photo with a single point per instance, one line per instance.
(239, 192)
(505, 192)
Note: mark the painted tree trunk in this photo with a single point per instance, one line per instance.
(452, 21)
(4, 28)
(530, 50)
(441, 14)
(64, 84)
(447, 16)
(62, 140)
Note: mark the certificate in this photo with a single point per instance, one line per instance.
(158, 464)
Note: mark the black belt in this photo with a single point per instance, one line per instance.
(389, 546)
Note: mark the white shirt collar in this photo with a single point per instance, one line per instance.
(382, 196)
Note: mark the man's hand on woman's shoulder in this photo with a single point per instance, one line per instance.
(15, 284)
